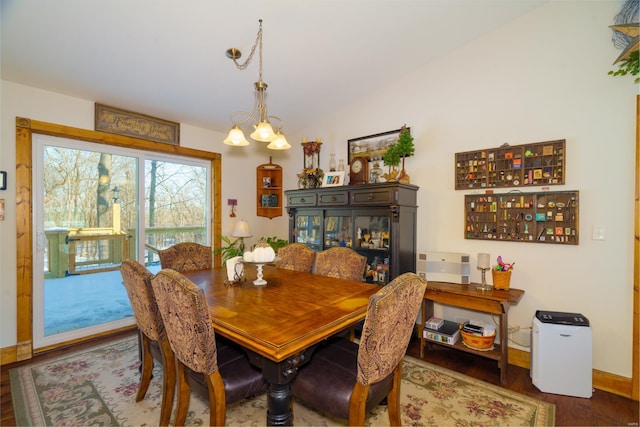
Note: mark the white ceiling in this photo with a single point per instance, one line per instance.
(166, 58)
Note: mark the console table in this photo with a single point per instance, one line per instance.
(492, 301)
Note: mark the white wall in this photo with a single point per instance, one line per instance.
(541, 77)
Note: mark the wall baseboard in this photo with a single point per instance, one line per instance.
(605, 381)
(8, 355)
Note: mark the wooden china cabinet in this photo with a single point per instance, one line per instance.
(378, 221)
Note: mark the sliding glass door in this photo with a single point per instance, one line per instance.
(95, 205)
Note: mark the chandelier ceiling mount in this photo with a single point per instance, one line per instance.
(264, 130)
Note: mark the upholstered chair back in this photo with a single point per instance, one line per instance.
(391, 317)
(297, 257)
(185, 314)
(340, 262)
(153, 338)
(188, 256)
(137, 282)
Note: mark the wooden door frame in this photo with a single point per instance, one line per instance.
(635, 392)
(25, 128)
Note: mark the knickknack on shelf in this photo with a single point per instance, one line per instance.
(545, 217)
(512, 166)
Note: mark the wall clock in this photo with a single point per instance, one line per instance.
(359, 171)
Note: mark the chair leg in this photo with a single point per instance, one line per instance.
(184, 392)
(217, 399)
(147, 367)
(168, 382)
(358, 404)
(393, 398)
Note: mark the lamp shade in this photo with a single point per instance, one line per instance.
(484, 261)
(263, 132)
(236, 137)
(279, 143)
(241, 229)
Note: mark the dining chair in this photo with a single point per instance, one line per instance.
(153, 336)
(186, 256)
(229, 377)
(340, 262)
(297, 257)
(347, 380)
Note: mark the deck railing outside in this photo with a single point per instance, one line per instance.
(92, 250)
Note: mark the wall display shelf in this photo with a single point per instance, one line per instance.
(544, 217)
(378, 221)
(269, 190)
(512, 166)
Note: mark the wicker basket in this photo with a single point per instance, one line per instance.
(477, 341)
(501, 279)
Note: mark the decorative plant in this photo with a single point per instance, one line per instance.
(233, 249)
(628, 65)
(392, 159)
(405, 148)
(275, 242)
(236, 248)
(502, 266)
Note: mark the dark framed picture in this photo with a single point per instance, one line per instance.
(269, 200)
(372, 147)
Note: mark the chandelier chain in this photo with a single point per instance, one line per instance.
(257, 43)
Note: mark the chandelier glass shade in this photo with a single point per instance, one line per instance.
(263, 129)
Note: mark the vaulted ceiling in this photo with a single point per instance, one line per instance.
(166, 58)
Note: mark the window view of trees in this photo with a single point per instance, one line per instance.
(82, 186)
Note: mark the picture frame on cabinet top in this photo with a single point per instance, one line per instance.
(373, 146)
(333, 179)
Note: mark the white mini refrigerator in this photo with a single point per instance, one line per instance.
(561, 354)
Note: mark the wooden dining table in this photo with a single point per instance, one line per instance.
(280, 324)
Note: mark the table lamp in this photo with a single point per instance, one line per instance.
(241, 231)
(484, 264)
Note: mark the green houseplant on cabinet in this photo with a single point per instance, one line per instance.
(404, 148)
(391, 158)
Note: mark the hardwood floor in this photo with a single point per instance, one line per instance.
(603, 409)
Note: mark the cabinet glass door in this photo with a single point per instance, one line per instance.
(337, 230)
(308, 230)
(372, 241)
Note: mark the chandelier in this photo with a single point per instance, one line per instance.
(264, 131)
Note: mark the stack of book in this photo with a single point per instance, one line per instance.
(441, 331)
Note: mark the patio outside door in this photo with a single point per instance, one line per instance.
(100, 205)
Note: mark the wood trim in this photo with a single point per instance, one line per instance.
(25, 128)
(636, 270)
(611, 383)
(24, 239)
(8, 355)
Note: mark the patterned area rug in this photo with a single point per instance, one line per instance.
(97, 386)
